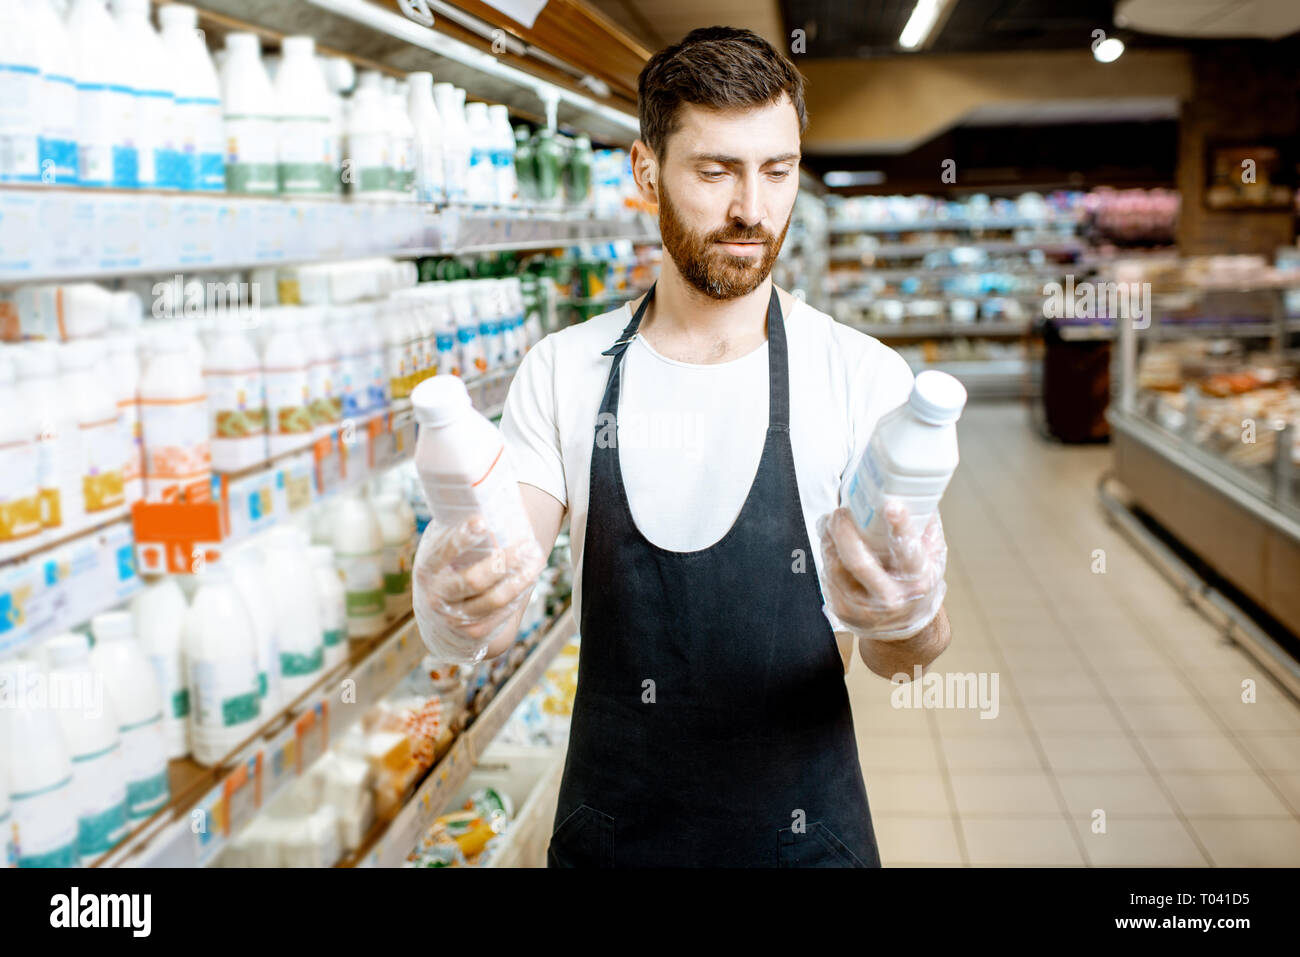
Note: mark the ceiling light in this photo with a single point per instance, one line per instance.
(842, 177)
(920, 24)
(1109, 50)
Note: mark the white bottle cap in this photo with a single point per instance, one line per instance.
(112, 626)
(420, 79)
(177, 16)
(66, 648)
(440, 399)
(298, 46)
(937, 397)
(244, 44)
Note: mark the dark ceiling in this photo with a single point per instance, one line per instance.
(862, 28)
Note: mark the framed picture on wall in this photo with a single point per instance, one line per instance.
(1248, 176)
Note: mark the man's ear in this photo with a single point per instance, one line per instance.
(645, 172)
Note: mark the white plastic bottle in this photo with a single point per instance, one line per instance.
(288, 390)
(42, 800)
(137, 701)
(398, 529)
(370, 160)
(503, 153)
(221, 657)
(174, 424)
(340, 76)
(297, 614)
(107, 154)
(155, 100)
(911, 457)
(249, 574)
(428, 138)
(21, 95)
(358, 550)
(20, 478)
(307, 167)
(90, 733)
(332, 603)
(158, 616)
(352, 374)
(397, 349)
(471, 358)
(124, 379)
(322, 371)
(58, 445)
(481, 184)
(200, 135)
(377, 380)
(248, 103)
(489, 326)
(463, 468)
(236, 398)
(58, 97)
(101, 458)
(455, 142)
(402, 184)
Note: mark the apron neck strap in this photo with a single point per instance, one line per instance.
(629, 331)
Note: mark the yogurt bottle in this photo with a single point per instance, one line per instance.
(158, 613)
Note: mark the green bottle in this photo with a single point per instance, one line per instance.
(578, 181)
(548, 159)
(525, 169)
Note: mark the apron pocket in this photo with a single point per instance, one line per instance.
(584, 839)
(815, 847)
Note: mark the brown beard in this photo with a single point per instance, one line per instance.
(712, 270)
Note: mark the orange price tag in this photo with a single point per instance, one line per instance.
(242, 790)
(311, 732)
(176, 537)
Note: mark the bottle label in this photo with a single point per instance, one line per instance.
(305, 155)
(176, 697)
(251, 159)
(334, 636)
(288, 398)
(178, 454)
(152, 109)
(99, 832)
(297, 665)
(363, 584)
(225, 692)
(321, 387)
(236, 403)
(20, 107)
(371, 166)
(103, 458)
(143, 753)
(58, 136)
(146, 795)
(20, 500)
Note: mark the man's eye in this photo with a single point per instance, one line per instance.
(778, 173)
(713, 173)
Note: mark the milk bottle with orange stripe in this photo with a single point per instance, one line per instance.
(174, 424)
(100, 456)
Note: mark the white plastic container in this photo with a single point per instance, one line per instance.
(21, 95)
(297, 614)
(911, 457)
(20, 471)
(463, 466)
(332, 602)
(322, 371)
(174, 424)
(137, 701)
(58, 96)
(370, 141)
(288, 388)
(124, 379)
(200, 132)
(472, 359)
(352, 367)
(428, 138)
(42, 800)
(455, 142)
(90, 733)
(397, 525)
(248, 104)
(221, 657)
(339, 76)
(373, 336)
(481, 183)
(397, 349)
(402, 150)
(236, 398)
(158, 615)
(155, 100)
(249, 574)
(446, 355)
(306, 163)
(58, 445)
(107, 155)
(503, 153)
(101, 459)
(358, 551)
(489, 322)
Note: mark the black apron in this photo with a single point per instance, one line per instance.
(711, 726)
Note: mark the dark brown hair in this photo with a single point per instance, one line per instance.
(718, 67)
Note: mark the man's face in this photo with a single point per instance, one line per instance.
(726, 188)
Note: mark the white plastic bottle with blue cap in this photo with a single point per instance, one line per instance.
(911, 457)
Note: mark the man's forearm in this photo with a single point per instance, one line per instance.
(889, 658)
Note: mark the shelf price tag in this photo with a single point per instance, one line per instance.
(328, 456)
(242, 793)
(381, 442)
(176, 538)
(311, 732)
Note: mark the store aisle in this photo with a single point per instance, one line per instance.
(1120, 736)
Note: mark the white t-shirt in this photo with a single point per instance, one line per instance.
(690, 436)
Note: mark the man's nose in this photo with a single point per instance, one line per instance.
(745, 205)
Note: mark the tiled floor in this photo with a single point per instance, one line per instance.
(1121, 737)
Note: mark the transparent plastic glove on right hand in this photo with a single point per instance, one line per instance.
(464, 593)
(891, 594)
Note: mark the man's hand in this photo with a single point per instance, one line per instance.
(460, 608)
(891, 595)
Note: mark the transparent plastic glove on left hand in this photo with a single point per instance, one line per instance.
(465, 591)
(889, 594)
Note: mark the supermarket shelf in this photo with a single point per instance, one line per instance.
(1161, 329)
(870, 299)
(263, 768)
(925, 273)
(68, 234)
(904, 250)
(925, 225)
(390, 843)
(989, 378)
(918, 330)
